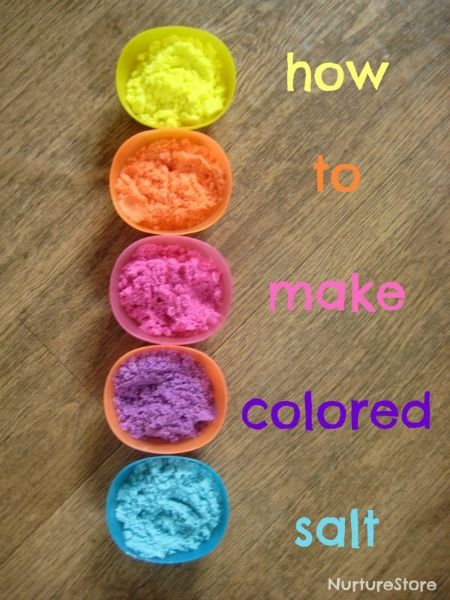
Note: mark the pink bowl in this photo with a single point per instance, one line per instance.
(130, 324)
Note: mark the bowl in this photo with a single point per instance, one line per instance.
(144, 138)
(140, 43)
(154, 445)
(115, 527)
(130, 325)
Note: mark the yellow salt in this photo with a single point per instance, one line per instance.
(178, 82)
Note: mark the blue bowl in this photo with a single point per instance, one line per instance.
(115, 527)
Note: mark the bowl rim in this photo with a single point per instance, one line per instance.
(208, 546)
(167, 448)
(152, 135)
(182, 30)
(207, 249)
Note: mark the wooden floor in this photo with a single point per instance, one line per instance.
(60, 128)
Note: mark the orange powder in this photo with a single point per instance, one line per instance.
(170, 184)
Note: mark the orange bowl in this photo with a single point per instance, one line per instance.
(144, 138)
(154, 445)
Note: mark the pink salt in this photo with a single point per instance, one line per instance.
(171, 291)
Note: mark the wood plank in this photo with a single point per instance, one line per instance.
(62, 125)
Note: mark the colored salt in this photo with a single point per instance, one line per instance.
(171, 291)
(167, 506)
(171, 184)
(178, 82)
(164, 394)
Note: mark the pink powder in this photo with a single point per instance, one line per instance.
(171, 290)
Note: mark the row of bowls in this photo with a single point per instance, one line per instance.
(125, 65)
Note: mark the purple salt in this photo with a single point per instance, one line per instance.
(163, 394)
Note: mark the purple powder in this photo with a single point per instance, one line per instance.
(164, 394)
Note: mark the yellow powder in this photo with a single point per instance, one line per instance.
(177, 82)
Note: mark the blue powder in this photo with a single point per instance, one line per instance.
(167, 506)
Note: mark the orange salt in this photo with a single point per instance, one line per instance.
(171, 184)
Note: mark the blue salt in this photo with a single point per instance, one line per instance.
(167, 506)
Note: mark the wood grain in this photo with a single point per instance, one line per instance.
(61, 126)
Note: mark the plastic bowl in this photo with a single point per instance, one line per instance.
(132, 145)
(154, 445)
(130, 324)
(115, 527)
(140, 43)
